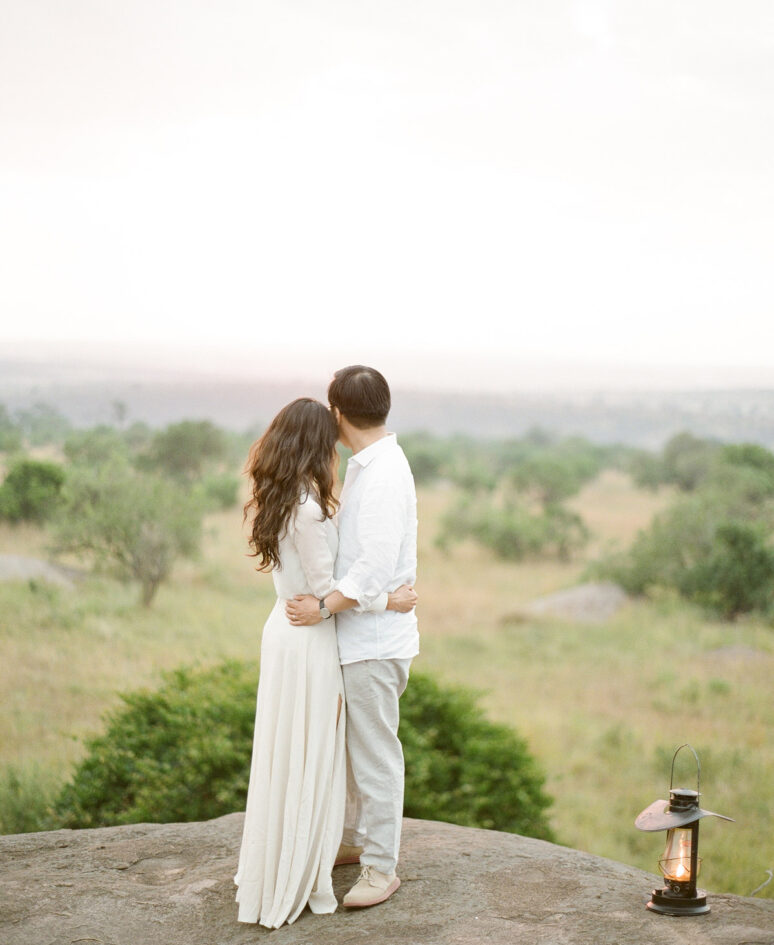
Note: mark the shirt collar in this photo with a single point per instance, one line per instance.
(364, 457)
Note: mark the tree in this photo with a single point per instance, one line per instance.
(131, 523)
(512, 530)
(737, 576)
(31, 491)
(182, 753)
(95, 447)
(712, 546)
(184, 450)
(686, 460)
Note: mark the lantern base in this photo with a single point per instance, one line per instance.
(664, 902)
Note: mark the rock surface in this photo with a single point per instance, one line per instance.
(586, 602)
(171, 884)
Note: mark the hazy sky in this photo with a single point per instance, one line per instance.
(472, 183)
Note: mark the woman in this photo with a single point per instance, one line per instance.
(295, 802)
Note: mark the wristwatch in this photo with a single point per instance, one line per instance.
(324, 612)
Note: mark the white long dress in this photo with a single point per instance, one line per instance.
(295, 802)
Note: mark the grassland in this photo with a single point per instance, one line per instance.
(602, 705)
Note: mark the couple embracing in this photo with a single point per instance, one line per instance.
(326, 780)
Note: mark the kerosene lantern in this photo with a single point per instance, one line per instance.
(680, 864)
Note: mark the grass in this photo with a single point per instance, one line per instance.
(603, 706)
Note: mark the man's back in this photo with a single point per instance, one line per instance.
(377, 552)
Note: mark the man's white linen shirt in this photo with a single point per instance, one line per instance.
(377, 553)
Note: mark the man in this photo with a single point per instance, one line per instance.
(377, 553)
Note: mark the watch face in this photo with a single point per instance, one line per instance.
(324, 613)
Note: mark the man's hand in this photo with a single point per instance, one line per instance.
(303, 610)
(403, 599)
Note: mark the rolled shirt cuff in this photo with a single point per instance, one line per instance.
(349, 589)
(379, 605)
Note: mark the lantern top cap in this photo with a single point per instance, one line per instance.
(681, 809)
(661, 816)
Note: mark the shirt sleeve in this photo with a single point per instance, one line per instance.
(312, 546)
(379, 529)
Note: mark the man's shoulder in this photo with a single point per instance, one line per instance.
(390, 464)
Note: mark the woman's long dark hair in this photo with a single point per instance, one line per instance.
(291, 458)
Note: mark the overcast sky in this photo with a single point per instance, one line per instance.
(481, 187)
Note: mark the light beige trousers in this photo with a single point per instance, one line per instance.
(375, 771)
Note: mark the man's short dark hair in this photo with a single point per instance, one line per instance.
(361, 394)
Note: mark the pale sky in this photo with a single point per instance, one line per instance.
(470, 188)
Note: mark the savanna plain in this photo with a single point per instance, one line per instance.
(602, 705)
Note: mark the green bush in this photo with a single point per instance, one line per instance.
(463, 769)
(31, 491)
(183, 752)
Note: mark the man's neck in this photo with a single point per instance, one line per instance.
(360, 439)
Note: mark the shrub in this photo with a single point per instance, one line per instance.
(31, 491)
(183, 753)
(464, 769)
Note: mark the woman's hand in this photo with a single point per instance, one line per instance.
(403, 599)
(303, 611)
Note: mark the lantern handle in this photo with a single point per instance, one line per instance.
(698, 768)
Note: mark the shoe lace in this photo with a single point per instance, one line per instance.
(365, 873)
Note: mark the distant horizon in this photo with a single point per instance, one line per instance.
(446, 372)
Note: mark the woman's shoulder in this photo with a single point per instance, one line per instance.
(308, 509)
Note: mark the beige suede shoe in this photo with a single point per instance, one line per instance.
(347, 854)
(371, 888)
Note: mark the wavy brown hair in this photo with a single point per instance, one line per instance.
(294, 456)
